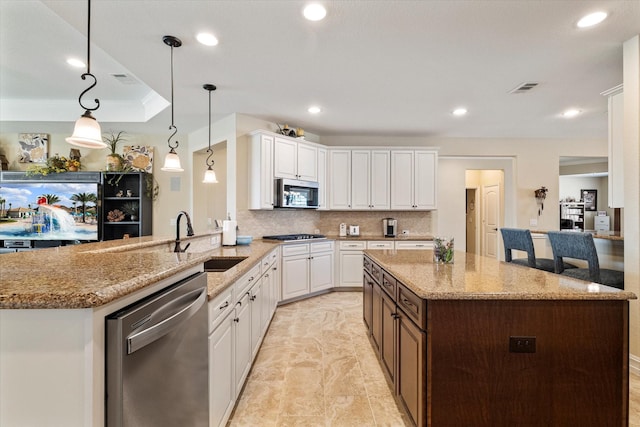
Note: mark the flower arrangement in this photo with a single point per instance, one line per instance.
(55, 164)
(443, 250)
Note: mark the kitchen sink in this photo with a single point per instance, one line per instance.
(222, 264)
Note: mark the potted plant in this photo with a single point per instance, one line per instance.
(114, 160)
(131, 209)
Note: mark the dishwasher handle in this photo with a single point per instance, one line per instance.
(191, 305)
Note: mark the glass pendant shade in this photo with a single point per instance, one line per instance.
(87, 133)
(210, 177)
(172, 162)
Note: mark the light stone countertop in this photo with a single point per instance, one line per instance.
(615, 236)
(398, 238)
(94, 274)
(475, 277)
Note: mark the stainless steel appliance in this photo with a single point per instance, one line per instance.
(390, 227)
(156, 359)
(294, 237)
(292, 193)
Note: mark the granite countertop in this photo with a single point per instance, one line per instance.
(606, 235)
(476, 277)
(94, 274)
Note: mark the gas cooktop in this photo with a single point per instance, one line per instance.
(294, 237)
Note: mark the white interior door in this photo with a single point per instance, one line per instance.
(491, 220)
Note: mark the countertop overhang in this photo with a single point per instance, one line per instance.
(473, 277)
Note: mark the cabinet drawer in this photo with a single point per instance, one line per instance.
(242, 286)
(376, 272)
(380, 245)
(219, 307)
(366, 264)
(414, 306)
(288, 250)
(389, 284)
(414, 245)
(324, 246)
(360, 245)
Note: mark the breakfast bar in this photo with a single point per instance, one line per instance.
(482, 342)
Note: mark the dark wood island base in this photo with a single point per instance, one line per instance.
(474, 345)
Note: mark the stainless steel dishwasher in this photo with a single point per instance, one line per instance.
(156, 359)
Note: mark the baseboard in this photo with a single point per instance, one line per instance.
(634, 364)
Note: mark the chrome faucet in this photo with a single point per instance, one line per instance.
(189, 231)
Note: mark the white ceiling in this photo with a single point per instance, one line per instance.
(375, 67)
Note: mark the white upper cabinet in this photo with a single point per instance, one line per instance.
(295, 160)
(413, 179)
(261, 171)
(616, 143)
(322, 179)
(339, 179)
(370, 179)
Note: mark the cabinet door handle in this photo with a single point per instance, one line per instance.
(226, 304)
(236, 319)
(239, 303)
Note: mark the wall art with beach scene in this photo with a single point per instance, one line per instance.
(49, 211)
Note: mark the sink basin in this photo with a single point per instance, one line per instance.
(222, 264)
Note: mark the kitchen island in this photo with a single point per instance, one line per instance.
(485, 343)
(53, 303)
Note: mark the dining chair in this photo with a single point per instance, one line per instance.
(520, 239)
(571, 244)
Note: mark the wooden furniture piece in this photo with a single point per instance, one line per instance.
(484, 343)
(570, 244)
(122, 189)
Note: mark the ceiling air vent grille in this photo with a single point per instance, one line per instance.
(524, 87)
(125, 79)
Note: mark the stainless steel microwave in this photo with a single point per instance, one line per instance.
(292, 193)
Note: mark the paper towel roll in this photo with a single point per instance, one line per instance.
(229, 232)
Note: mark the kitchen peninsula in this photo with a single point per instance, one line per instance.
(53, 304)
(482, 342)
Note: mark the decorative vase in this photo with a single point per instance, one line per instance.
(443, 250)
(114, 163)
(72, 169)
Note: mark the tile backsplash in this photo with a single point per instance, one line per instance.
(284, 221)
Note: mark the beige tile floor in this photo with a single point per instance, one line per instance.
(317, 368)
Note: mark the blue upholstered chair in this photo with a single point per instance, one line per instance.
(520, 239)
(576, 245)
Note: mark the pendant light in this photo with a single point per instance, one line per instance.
(171, 160)
(87, 133)
(209, 175)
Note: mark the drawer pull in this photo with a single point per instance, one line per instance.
(409, 303)
(226, 304)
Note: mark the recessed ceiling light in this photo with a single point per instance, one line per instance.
(314, 12)
(207, 39)
(75, 62)
(459, 111)
(314, 110)
(592, 19)
(571, 113)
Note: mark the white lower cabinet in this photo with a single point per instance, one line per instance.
(221, 384)
(415, 244)
(238, 320)
(350, 263)
(306, 268)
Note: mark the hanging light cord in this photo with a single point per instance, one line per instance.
(88, 73)
(210, 151)
(175, 129)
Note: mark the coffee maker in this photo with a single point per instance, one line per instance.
(390, 227)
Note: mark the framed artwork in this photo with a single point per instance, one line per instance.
(138, 157)
(34, 147)
(590, 199)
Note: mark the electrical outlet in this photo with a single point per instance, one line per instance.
(533, 222)
(522, 344)
(209, 221)
(172, 221)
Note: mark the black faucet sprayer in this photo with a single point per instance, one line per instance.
(177, 247)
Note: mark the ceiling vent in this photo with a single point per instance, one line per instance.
(524, 87)
(125, 79)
